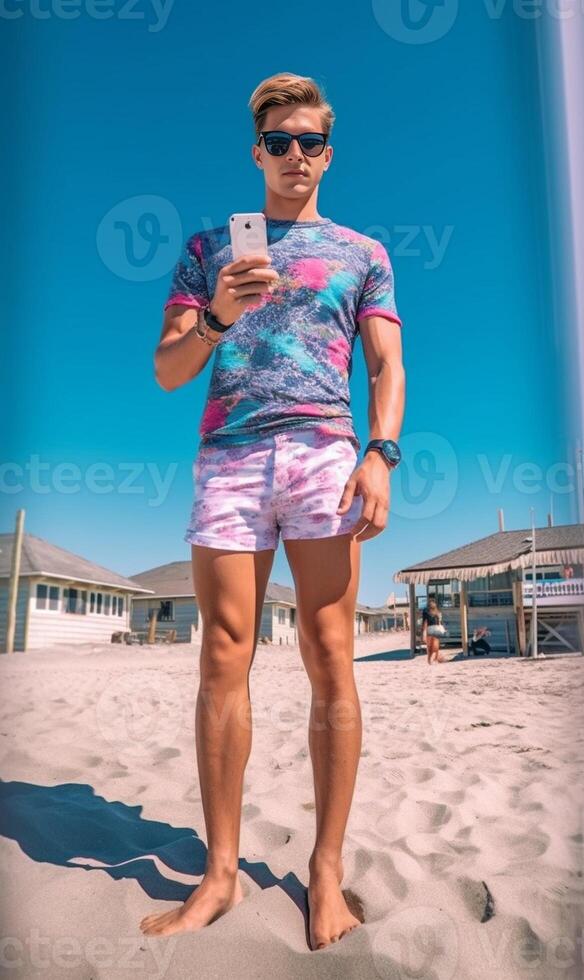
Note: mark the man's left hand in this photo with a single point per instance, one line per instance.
(369, 480)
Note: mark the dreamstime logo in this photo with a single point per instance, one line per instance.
(140, 713)
(140, 237)
(415, 21)
(418, 941)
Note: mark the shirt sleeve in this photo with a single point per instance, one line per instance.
(189, 284)
(378, 296)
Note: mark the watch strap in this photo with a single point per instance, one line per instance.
(213, 322)
(378, 449)
(377, 446)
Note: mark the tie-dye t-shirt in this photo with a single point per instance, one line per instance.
(287, 360)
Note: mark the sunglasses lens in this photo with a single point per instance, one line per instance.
(312, 144)
(276, 144)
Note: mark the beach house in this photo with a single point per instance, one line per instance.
(61, 597)
(172, 597)
(489, 583)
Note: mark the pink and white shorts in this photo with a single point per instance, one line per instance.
(289, 482)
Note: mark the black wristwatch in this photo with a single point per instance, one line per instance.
(388, 449)
(213, 322)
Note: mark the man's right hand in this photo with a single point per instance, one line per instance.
(241, 284)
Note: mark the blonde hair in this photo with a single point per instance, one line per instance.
(288, 89)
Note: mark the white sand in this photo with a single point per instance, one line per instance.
(471, 775)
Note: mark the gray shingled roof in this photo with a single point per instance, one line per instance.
(499, 552)
(40, 557)
(175, 580)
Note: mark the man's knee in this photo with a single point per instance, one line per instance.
(226, 651)
(327, 651)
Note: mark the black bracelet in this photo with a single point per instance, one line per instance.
(213, 322)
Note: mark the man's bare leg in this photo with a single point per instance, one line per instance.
(326, 576)
(230, 587)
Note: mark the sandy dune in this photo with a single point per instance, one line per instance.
(464, 852)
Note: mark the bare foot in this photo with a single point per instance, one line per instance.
(330, 918)
(211, 899)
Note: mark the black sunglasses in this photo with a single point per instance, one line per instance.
(277, 143)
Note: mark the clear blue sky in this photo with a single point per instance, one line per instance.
(438, 152)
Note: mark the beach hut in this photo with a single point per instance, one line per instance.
(172, 598)
(61, 597)
(379, 619)
(489, 583)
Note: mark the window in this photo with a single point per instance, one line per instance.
(92, 602)
(75, 601)
(106, 604)
(99, 602)
(165, 611)
(47, 596)
(281, 615)
(117, 605)
(292, 617)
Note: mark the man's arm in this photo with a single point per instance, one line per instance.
(381, 339)
(382, 347)
(180, 354)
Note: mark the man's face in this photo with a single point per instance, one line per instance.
(295, 186)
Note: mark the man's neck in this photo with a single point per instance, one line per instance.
(281, 209)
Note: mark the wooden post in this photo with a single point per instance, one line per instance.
(152, 627)
(464, 618)
(519, 609)
(13, 584)
(412, 605)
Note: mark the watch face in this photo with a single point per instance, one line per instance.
(391, 450)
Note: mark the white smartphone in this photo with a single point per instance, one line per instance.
(248, 234)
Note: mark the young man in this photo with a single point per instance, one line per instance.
(279, 454)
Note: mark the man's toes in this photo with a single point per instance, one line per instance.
(154, 925)
(148, 924)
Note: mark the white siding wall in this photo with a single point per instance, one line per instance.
(49, 627)
(282, 632)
